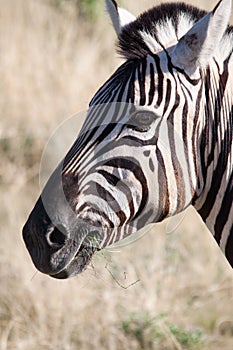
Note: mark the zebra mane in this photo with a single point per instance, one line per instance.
(158, 28)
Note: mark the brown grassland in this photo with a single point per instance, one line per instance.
(164, 291)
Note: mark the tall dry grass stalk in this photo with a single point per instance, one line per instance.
(51, 63)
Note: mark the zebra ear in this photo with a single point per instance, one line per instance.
(198, 45)
(119, 16)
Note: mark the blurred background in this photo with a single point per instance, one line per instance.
(164, 291)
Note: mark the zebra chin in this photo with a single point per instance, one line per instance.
(77, 264)
(59, 250)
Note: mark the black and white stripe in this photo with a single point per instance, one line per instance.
(158, 134)
(157, 138)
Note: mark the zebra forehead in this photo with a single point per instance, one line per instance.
(164, 24)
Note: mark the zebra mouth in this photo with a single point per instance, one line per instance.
(79, 262)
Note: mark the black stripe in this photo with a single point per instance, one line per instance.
(199, 158)
(151, 165)
(163, 187)
(229, 248)
(168, 96)
(224, 211)
(180, 181)
(85, 135)
(114, 205)
(89, 140)
(218, 106)
(141, 81)
(143, 221)
(93, 209)
(131, 165)
(214, 124)
(103, 193)
(152, 84)
(216, 177)
(115, 181)
(120, 77)
(160, 77)
(137, 142)
(131, 92)
(185, 116)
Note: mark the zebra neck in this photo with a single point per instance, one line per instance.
(215, 203)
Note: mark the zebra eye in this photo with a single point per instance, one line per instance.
(142, 120)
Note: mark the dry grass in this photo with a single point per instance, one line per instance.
(50, 65)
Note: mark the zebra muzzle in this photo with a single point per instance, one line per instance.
(59, 250)
(80, 260)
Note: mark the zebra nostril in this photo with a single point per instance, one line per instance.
(57, 236)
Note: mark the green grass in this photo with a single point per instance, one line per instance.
(151, 332)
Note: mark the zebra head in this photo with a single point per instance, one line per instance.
(137, 159)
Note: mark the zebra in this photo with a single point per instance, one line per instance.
(157, 138)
